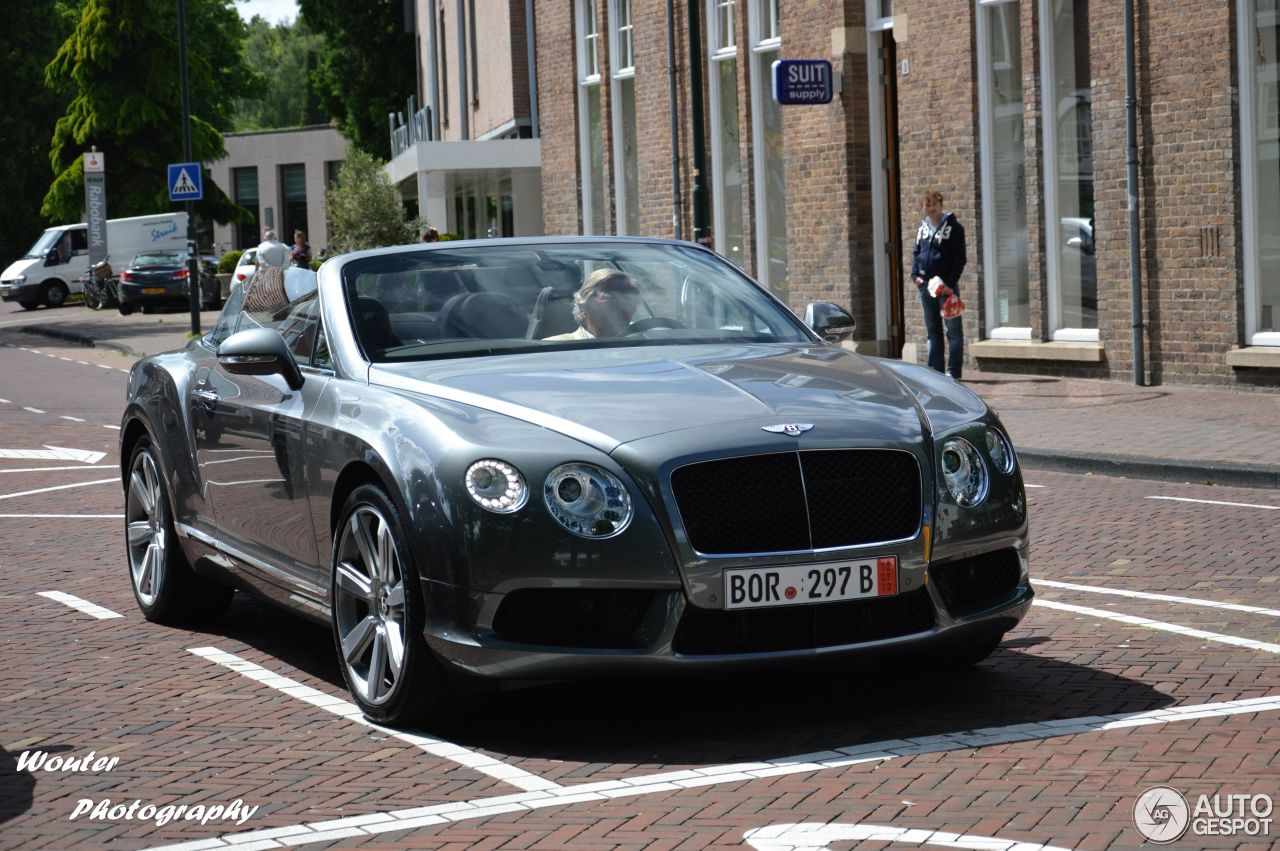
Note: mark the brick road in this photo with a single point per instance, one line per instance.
(647, 758)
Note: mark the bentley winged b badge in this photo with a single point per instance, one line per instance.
(793, 429)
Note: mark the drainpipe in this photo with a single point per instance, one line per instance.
(475, 54)
(464, 108)
(697, 139)
(433, 84)
(1131, 142)
(530, 49)
(675, 122)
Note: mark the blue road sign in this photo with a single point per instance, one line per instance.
(185, 182)
(802, 81)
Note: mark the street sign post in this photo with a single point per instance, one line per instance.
(95, 204)
(802, 81)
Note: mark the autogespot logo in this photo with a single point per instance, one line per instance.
(1161, 814)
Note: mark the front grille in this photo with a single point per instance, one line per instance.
(574, 617)
(704, 632)
(973, 584)
(788, 501)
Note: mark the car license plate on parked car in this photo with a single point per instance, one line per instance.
(153, 290)
(788, 585)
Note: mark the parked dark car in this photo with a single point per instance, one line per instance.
(423, 449)
(160, 278)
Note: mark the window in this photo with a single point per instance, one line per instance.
(1068, 181)
(726, 158)
(590, 122)
(626, 168)
(293, 183)
(766, 130)
(244, 183)
(1259, 39)
(1004, 208)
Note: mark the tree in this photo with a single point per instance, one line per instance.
(363, 208)
(284, 55)
(120, 68)
(28, 111)
(367, 66)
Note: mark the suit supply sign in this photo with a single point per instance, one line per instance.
(802, 81)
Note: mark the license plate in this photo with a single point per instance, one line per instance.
(798, 584)
(153, 291)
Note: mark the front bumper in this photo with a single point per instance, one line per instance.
(20, 292)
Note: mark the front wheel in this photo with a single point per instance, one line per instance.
(378, 617)
(55, 294)
(29, 305)
(92, 296)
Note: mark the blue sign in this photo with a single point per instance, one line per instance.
(185, 182)
(802, 81)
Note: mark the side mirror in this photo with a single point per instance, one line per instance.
(829, 321)
(53, 258)
(259, 351)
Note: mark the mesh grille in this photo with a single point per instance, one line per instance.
(712, 632)
(573, 617)
(973, 584)
(758, 504)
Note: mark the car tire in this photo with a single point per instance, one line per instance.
(29, 305)
(92, 296)
(166, 588)
(54, 294)
(125, 309)
(378, 614)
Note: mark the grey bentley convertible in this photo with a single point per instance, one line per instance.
(543, 458)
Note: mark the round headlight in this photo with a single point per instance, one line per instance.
(496, 486)
(587, 500)
(1000, 451)
(964, 472)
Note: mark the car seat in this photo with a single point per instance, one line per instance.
(482, 316)
(373, 327)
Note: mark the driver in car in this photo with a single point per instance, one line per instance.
(603, 305)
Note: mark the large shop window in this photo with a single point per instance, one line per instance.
(1068, 183)
(293, 182)
(726, 157)
(1259, 38)
(245, 186)
(590, 121)
(766, 132)
(626, 167)
(1004, 177)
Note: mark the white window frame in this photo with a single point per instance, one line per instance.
(588, 62)
(985, 141)
(723, 47)
(620, 28)
(876, 26)
(761, 12)
(1246, 14)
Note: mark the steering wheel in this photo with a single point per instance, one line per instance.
(649, 323)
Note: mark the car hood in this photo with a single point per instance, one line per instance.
(608, 397)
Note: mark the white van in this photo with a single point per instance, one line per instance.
(52, 268)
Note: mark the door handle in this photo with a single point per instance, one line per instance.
(208, 399)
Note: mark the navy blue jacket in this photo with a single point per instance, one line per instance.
(940, 253)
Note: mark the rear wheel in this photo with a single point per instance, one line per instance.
(55, 294)
(377, 615)
(125, 309)
(166, 588)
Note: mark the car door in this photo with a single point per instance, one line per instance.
(254, 454)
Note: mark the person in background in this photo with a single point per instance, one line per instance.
(939, 261)
(300, 255)
(431, 235)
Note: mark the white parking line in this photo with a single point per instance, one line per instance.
(1217, 502)
(80, 605)
(65, 516)
(56, 488)
(115, 428)
(484, 764)
(1216, 637)
(43, 469)
(1164, 598)
(372, 824)
(68, 417)
(817, 837)
(34, 410)
(5, 402)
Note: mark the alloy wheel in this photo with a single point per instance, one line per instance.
(369, 605)
(146, 529)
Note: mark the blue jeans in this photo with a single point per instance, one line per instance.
(933, 325)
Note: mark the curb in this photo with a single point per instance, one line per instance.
(1134, 467)
(78, 339)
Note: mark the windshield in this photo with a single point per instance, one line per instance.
(46, 241)
(487, 299)
(160, 258)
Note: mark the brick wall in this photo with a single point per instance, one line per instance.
(558, 115)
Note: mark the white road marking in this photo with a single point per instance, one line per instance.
(68, 417)
(1164, 598)
(43, 469)
(55, 453)
(57, 488)
(83, 362)
(102, 366)
(68, 360)
(1216, 637)
(1217, 502)
(816, 837)
(5, 402)
(66, 516)
(80, 605)
(1025, 485)
(116, 428)
(372, 824)
(446, 750)
(33, 410)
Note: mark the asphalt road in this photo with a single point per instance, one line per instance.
(1102, 693)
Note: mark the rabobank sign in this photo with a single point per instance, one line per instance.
(802, 81)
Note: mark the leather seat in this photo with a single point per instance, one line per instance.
(373, 327)
(482, 316)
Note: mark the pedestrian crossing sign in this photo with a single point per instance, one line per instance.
(185, 183)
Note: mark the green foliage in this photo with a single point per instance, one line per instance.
(363, 208)
(284, 55)
(120, 68)
(228, 262)
(366, 68)
(28, 111)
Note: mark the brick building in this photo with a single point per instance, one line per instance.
(1014, 109)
